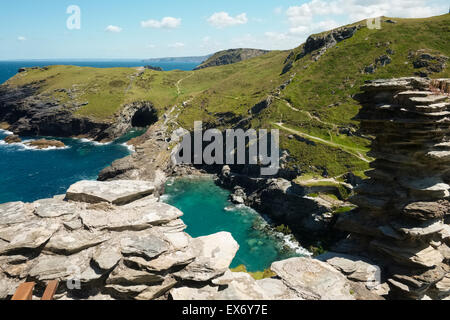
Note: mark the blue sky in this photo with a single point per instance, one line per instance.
(31, 29)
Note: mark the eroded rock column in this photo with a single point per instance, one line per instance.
(404, 206)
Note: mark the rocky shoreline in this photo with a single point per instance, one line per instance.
(26, 112)
(115, 240)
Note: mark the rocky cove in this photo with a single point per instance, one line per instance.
(128, 245)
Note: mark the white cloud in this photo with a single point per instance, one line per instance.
(114, 29)
(320, 15)
(223, 20)
(21, 38)
(247, 41)
(177, 45)
(151, 46)
(276, 36)
(165, 23)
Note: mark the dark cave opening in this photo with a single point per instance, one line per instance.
(144, 117)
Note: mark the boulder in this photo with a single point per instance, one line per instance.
(313, 279)
(107, 255)
(118, 192)
(12, 139)
(7, 286)
(124, 276)
(239, 286)
(55, 267)
(14, 212)
(214, 255)
(355, 268)
(46, 144)
(123, 218)
(421, 255)
(53, 208)
(276, 289)
(194, 294)
(27, 236)
(67, 243)
(147, 246)
(164, 262)
(156, 291)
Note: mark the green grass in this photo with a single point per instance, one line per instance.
(321, 91)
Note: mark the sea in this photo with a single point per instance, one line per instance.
(27, 174)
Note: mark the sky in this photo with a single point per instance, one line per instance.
(138, 29)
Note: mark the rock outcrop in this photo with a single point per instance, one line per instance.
(30, 113)
(12, 139)
(404, 208)
(230, 56)
(115, 240)
(320, 43)
(45, 144)
(284, 201)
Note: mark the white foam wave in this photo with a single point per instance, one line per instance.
(96, 143)
(129, 147)
(164, 198)
(23, 146)
(6, 132)
(293, 244)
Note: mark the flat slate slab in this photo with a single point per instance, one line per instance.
(137, 219)
(13, 213)
(120, 192)
(313, 279)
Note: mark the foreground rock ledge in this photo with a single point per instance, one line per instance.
(106, 240)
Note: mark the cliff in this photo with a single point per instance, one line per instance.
(230, 56)
(402, 220)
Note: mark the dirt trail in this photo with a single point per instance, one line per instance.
(346, 149)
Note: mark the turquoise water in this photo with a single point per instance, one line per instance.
(28, 175)
(207, 210)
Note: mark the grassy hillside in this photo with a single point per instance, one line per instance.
(230, 56)
(313, 112)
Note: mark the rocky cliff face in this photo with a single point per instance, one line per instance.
(230, 56)
(29, 113)
(404, 208)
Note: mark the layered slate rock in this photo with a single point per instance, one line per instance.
(118, 192)
(404, 207)
(313, 279)
(214, 255)
(100, 249)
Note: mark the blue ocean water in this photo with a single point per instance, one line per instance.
(28, 175)
(9, 68)
(207, 210)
